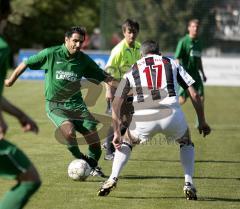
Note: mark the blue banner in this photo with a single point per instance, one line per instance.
(100, 58)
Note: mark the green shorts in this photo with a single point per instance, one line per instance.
(12, 160)
(82, 119)
(198, 86)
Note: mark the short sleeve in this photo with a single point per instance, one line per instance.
(38, 61)
(183, 78)
(94, 73)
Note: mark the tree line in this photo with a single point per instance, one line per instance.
(42, 23)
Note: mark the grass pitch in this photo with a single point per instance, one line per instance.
(153, 178)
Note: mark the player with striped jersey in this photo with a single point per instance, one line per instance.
(153, 80)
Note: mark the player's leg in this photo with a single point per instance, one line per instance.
(182, 96)
(126, 117)
(175, 128)
(94, 153)
(132, 136)
(198, 85)
(108, 145)
(15, 164)
(187, 160)
(67, 129)
(120, 159)
(122, 155)
(87, 127)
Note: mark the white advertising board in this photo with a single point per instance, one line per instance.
(222, 71)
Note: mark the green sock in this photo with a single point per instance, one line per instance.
(94, 152)
(74, 149)
(19, 195)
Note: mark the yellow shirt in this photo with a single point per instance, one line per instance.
(122, 58)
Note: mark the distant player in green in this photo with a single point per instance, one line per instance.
(188, 53)
(122, 57)
(14, 163)
(64, 66)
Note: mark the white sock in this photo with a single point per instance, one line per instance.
(120, 159)
(187, 160)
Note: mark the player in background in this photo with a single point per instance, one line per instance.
(122, 56)
(64, 66)
(153, 80)
(188, 53)
(14, 163)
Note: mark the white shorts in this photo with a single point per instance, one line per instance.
(170, 122)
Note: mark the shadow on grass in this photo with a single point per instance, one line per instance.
(219, 199)
(196, 161)
(134, 177)
(199, 199)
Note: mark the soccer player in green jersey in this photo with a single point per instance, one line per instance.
(188, 53)
(122, 56)
(14, 163)
(64, 66)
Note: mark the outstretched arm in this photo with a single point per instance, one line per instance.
(196, 101)
(3, 124)
(16, 73)
(26, 122)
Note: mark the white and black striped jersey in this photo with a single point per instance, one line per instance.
(154, 80)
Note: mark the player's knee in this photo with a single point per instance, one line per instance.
(127, 144)
(130, 139)
(186, 144)
(68, 131)
(185, 139)
(96, 145)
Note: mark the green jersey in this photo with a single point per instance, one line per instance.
(189, 53)
(122, 58)
(64, 73)
(4, 62)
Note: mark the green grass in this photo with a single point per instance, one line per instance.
(153, 177)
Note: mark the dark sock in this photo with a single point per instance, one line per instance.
(109, 146)
(74, 149)
(94, 152)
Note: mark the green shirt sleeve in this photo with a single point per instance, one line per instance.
(38, 61)
(179, 50)
(94, 73)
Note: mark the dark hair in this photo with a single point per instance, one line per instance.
(5, 9)
(128, 23)
(149, 47)
(76, 29)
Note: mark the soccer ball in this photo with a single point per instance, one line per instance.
(79, 170)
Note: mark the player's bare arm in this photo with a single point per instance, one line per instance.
(196, 101)
(111, 82)
(26, 122)
(111, 86)
(16, 73)
(3, 125)
(116, 107)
